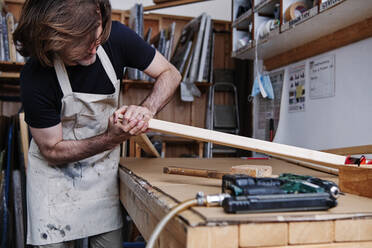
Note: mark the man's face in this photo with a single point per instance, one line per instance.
(84, 55)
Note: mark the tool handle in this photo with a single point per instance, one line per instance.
(193, 172)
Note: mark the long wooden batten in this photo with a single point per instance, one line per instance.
(246, 143)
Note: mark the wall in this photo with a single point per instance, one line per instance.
(217, 9)
(339, 121)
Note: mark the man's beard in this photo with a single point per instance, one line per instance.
(89, 61)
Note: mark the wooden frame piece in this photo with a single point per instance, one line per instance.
(144, 142)
(246, 143)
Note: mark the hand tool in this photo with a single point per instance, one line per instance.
(250, 170)
(288, 192)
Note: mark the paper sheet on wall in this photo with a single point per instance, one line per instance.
(296, 88)
(322, 77)
(267, 109)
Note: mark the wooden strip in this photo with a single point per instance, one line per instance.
(327, 169)
(144, 142)
(353, 230)
(356, 180)
(171, 4)
(267, 234)
(132, 148)
(246, 143)
(138, 151)
(24, 137)
(213, 237)
(311, 232)
(366, 149)
(343, 37)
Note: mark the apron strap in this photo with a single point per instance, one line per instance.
(62, 76)
(107, 65)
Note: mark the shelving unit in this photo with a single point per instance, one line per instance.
(243, 21)
(242, 25)
(10, 70)
(317, 22)
(266, 7)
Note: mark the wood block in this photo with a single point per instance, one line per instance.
(213, 237)
(252, 170)
(263, 234)
(311, 232)
(353, 230)
(355, 180)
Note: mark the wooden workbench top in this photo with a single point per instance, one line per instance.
(143, 179)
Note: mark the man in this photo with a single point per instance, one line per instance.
(70, 89)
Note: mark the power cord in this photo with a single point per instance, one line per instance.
(200, 200)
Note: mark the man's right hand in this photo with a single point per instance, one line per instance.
(116, 133)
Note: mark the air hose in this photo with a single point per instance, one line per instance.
(199, 200)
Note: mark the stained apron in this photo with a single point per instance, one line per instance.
(80, 199)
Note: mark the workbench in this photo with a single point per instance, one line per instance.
(148, 194)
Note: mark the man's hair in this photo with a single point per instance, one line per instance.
(48, 27)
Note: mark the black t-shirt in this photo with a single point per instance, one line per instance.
(40, 91)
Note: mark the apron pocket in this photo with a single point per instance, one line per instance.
(88, 125)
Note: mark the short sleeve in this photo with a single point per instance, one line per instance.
(136, 52)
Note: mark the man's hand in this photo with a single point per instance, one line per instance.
(115, 133)
(133, 119)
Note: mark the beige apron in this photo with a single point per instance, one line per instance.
(78, 199)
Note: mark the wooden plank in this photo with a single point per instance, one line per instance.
(352, 150)
(144, 142)
(353, 230)
(311, 232)
(171, 4)
(317, 167)
(342, 37)
(267, 234)
(356, 180)
(213, 237)
(246, 143)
